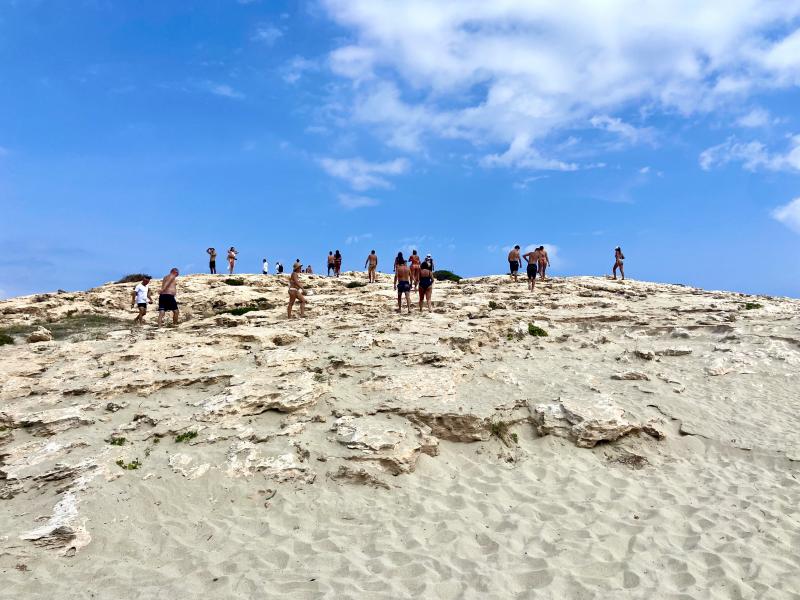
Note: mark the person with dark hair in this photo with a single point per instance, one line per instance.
(232, 254)
(371, 265)
(425, 283)
(141, 298)
(330, 262)
(212, 260)
(544, 261)
(166, 297)
(532, 258)
(513, 262)
(265, 267)
(429, 258)
(296, 290)
(337, 263)
(397, 260)
(402, 283)
(619, 259)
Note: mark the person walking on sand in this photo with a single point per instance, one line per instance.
(429, 259)
(337, 263)
(212, 260)
(544, 261)
(414, 260)
(296, 291)
(232, 254)
(619, 259)
(331, 260)
(278, 267)
(532, 258)
(371, 264)
(397, 260)
(402, 283)
(141, 298)
(513, 262)
(425, 283)
(166, 297)
(265, 267)
(309, 270)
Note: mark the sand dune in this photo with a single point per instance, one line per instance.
(647, 447)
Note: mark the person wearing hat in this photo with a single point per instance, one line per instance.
(619, 259)
(429, 260)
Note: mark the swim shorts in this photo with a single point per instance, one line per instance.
(514, 265)
(166, 302)
(142, 305)
(531, 270)
(403, 287)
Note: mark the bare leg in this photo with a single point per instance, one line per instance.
(302, 300)
(399, 302)
(408, 302)
(174, 317)
(622, 271)
(614, 271)
(160, 318)
(428, 294)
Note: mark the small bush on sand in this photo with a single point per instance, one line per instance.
(446, 276)
(132, 278)
(116, 441)
(494, 305)
(5, 339)
(241, 310)
(356, 284)
(536, 331)
(134, 464)
(234, 281)
(752, 305)
(185, 436)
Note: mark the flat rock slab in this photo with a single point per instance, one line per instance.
(585, 422)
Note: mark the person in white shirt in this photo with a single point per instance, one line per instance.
(140, 297)
(265, 267)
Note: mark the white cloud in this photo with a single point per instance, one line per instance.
(267, 34)
(297, 67)
(789, 215)
(552, 253)
(753, 155)
(363, 175)
(758, 117)
(355, 239)
(508, 76)
(351, 201)
(224, 90)
(644, 170)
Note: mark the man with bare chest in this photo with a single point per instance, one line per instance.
(372, 265)
(166, 297)
(402, 283)
(513, 262)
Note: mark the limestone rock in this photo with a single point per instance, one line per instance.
(41, 334)
(283, 464)
(182, 463)
(584, 422)
(358, 476)
(631, 376)
(674, 352)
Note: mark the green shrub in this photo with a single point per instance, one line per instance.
(185, 436)
(356, 284)
(234, 281)
(116, 441)
(536, 331)
(752, 305)
(134, 464)
(241, 310)
(5, 339)
(494, 305)
(446, 276)
(133, 278)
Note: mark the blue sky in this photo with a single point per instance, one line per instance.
(133, 135)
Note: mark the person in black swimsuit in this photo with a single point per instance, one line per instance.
(425, 283)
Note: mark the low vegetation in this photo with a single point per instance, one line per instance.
(131, 466)
(5, 339)
(231, 281)
(86, 324)
(116, 441)
(132, 278)
(241, 310)
(494, 305)
(185, 436)
(446, 276)
(752, 305)
(536, 331)
(356, 284)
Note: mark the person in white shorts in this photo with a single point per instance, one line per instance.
(140, 297)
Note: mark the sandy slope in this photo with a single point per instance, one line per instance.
(647, 447)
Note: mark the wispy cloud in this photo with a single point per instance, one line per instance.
(224, 90)
(753, 155)
(363, 175)
(758, 117)
(626, 131)
(266, 34)
(298, 66)
(352, 201)
(789, 215)
(355, 239)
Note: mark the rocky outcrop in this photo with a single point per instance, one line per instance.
(40, 334)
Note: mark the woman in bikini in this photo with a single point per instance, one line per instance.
(398, 260)
(296, 292)
(425, 284)
(619, 259)
(232, 252)
(414, 260)
(337, 263)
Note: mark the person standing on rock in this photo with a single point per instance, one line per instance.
(414, 260)
(330, 262)
(265, 267)
(532, 258)
(371, 264)
(166, 297)
(232, 254)
(278, 267)
(513, 262)
(296, 291)
(337, 263)
(544, 261)
(141, 298)
(402, 283)
(619, 259)
(425, 283)
(212, 260)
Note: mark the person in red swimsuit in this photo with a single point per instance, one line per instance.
(414, 260)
